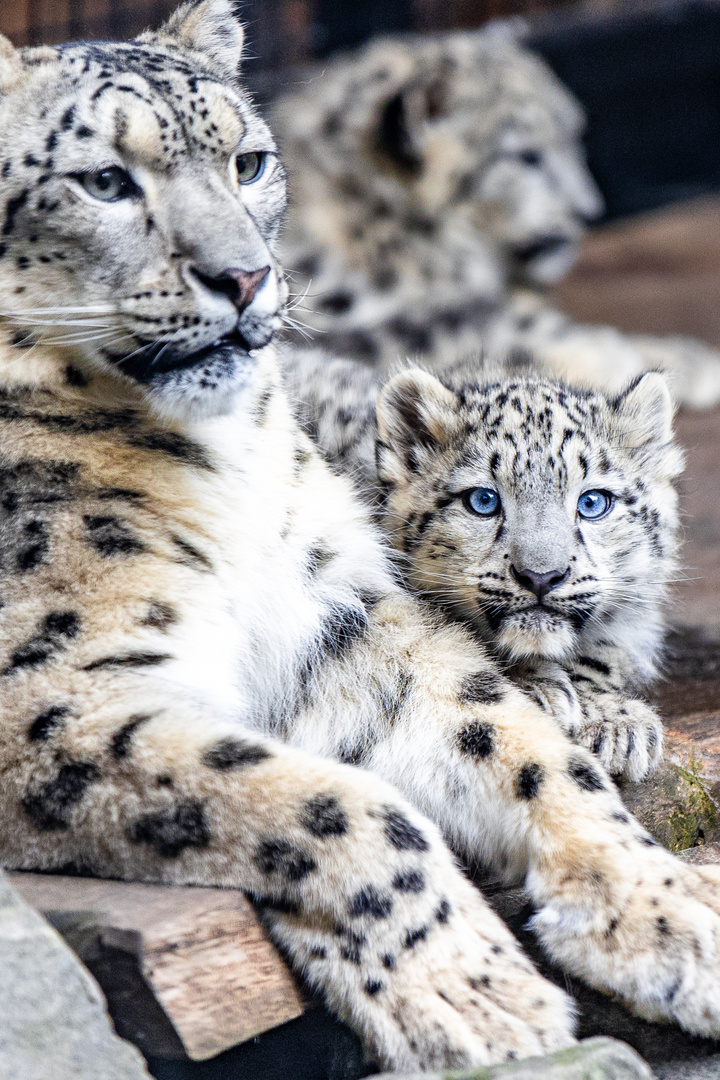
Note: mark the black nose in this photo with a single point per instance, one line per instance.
(540, 584)
(238, 285)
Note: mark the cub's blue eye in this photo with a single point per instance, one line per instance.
(595, 504)
(482, 501)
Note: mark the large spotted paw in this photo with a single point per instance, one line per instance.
(624, 733)
(446, 986)
(660, 950)
(465, 995)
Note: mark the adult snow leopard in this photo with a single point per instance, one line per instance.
(523, 505)
(198, 619)
(438, 183)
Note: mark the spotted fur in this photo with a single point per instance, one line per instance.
(438, 183)
(418, 446)
(212, 621)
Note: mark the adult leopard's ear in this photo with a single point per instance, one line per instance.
(416, 417)
(401, 120)
(210, 27)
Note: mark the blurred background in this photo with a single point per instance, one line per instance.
(646, 71)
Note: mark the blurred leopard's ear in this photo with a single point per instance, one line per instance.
(210, 27)
(416, 417)
(401, 119)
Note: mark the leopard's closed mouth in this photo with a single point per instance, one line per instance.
(154, 359)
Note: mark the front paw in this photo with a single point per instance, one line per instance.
(659, 946)
(626, 735)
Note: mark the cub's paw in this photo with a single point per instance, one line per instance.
(465, 995)
(550, 688)
(624, 733)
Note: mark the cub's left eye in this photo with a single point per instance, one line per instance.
(249, 167)
(595, 504)
(485, 502)
(109, 185)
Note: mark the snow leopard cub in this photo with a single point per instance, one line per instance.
(544, 515)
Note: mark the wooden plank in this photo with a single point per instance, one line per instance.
(186, 971)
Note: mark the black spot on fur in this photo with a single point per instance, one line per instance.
(341, 630)
(47, 722)
(174, 445)
(33, 554)
(135, 659)
(110, 536)
(593, 664)
(191, 556)
(49, 806)
(160, 616)
(280, 857)
(373, 987)
(234, 753)
(337, 303)
(75, 377)
(411, 881)
(388, 961)
(322, 816)
(122, 739)
(479, 984)
(351, 953)
(443, 910)
(529, 780)
(67, 118)
(318, 953)
(13, 206)
(371, 902)
(477, 739)
(169, 832)
(482, 688)
(401, 833)
(585, 775)
(52, 636)
(413, 936)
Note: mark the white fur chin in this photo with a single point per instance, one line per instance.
(537, 634)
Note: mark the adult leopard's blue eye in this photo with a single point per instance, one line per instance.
(595, 504)
(485, 502)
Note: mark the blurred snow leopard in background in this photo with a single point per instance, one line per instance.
(438, 184)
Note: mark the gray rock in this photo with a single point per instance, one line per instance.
(53, 1021)
(594, 1059)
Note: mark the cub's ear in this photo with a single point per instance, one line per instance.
(401, 119)
(416, 417)
(11, 65)
(643, 413)
(210, 27)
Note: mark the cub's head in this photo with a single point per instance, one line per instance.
(468, 131)
(546, 515)
(140, 202)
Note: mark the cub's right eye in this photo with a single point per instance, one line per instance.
(485, 502)
(109, 185)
